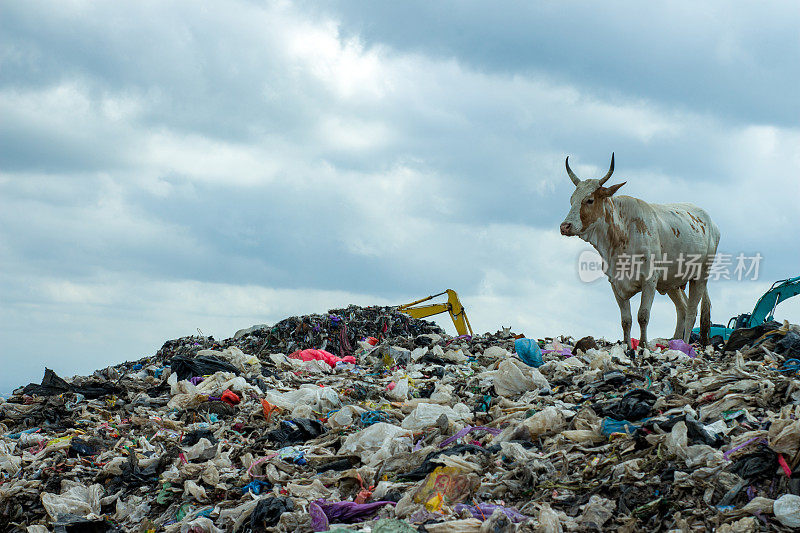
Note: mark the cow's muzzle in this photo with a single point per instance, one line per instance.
(566, 229)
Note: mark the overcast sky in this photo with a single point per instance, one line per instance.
(169, 166)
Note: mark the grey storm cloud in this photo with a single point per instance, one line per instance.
(165, 167)
(722, 58)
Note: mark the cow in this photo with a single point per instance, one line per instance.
(646, 248)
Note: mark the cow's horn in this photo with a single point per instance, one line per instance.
(610, 170)
(575, 179)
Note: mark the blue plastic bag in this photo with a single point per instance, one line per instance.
(611, 425)
(528, 350)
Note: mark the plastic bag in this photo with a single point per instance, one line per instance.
(201, 365)
(133, 510)
(467, 525)
(320, 399)
(399, 392)
(185, 395)
(549, 521)
(454, 356)
(442, 394)
(201, 523)
(787, 510)
(296, 431)
(8, 462)
(321, 355)
(425, 415)
(417, 353)
(633, 406)
(680, 345)
(511, 380)
(597, 512)
(225, 380)
(612, 425)
(346, 416)
(678, 440)
(496, 351)
(485, 510)
(759, 464)
(528, 350)
(235, 356)
(192, 489)
(784, 436)
(448, 485)
(203, 448)
(548, 421)
(75, 498)
(268, 512)
(377, 442)
(322, 512)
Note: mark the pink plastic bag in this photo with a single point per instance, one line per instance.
(321, 355)
(680, 345)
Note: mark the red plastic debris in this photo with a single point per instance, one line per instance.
(230, 397)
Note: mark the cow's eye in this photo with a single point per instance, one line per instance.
(590, 201)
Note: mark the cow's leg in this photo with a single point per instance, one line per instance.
(705, 317)
(625, 314)
(697, 287)
(648, 293)
(678, 297)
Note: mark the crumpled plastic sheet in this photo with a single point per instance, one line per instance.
(75, 498)
(484, 510)
(467, 430)
(323, 512)
(310, 354)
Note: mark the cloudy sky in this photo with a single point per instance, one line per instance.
(169, 166)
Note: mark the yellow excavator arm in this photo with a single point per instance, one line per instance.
(453, 306)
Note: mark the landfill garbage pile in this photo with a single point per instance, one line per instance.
(363, 419)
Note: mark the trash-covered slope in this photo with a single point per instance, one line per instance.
(366, 419)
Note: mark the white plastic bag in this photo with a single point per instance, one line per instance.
(346, 416)
(75, 498)
(192, 489)
(418, 352)
(236, 357)
(425, 415)
(320, 399)
(548, 421)
(400, 391)
(495, 351)
(454, 356)
(787, 510)
(201, 448)
(8, 462)
(548, 520)
(513, 378)
(442, 394)
(597, 512)
(377, 442)
(510, 380)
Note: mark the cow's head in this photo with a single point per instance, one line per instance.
(587, 202)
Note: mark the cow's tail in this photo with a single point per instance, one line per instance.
(705, 317)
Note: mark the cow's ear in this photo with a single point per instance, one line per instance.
(609, 191)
